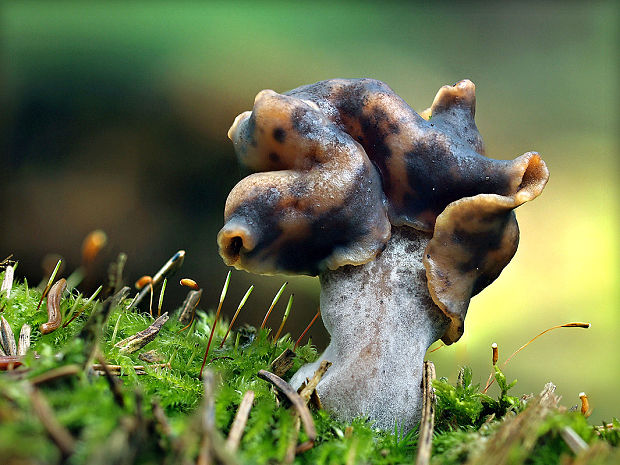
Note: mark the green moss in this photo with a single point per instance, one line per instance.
(84, 403)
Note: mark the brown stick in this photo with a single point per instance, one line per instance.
(142, 338)
(113, 382)
(517, 435)
(162, 420)
(58, 433)
(425, 440)
(55, 373)
(99, 367)
(291, 450)
(307, 391)
(24, 340)
(241, 418)
(205, 456)
(189, 306)
(7, 338)
(140, 369)
(212, 445)
(283, 363)
(573, 440)
(115, 273)
(298, 403)
(7, 283)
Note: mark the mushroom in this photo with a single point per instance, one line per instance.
(401, 216)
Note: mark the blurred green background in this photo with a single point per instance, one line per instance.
(115, 117)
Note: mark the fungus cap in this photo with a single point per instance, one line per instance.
(474, 239)
(340, 160)
(316, 204)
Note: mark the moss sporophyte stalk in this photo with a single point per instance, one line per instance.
(61, 406)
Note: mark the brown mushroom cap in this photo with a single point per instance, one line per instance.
(424, 164)
(454, 108)
(337, 156)
(474, 239)
(317, 206)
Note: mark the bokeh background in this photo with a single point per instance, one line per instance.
(115, 115)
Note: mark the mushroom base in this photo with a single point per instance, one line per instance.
(382, 320)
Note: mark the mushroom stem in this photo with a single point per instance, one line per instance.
(382, 320)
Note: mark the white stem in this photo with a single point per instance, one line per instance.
(382, 320)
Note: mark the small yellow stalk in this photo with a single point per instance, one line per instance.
(232, 322)
(286, 312)
(273, 304)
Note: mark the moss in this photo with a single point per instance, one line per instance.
(84, 404)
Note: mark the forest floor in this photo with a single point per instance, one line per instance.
(108, 384)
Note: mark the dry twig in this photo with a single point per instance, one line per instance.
(23, 344)
(241, 418)
(189, 307)
(427, 424)
(573, 440)
(113, 382)
(8, 362)
(117, 370)
(212, 444)
(298, 403)
(307, 391)
(7, 338)
(7, 282)
(55, 373)
(142, 338)
(115, 274)
(205, 456)
(58, 433)
(517, 435)
(283, 363)
(302, 413)
(166, 430)
(291, 450)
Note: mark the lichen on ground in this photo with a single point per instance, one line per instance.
(469, 427)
